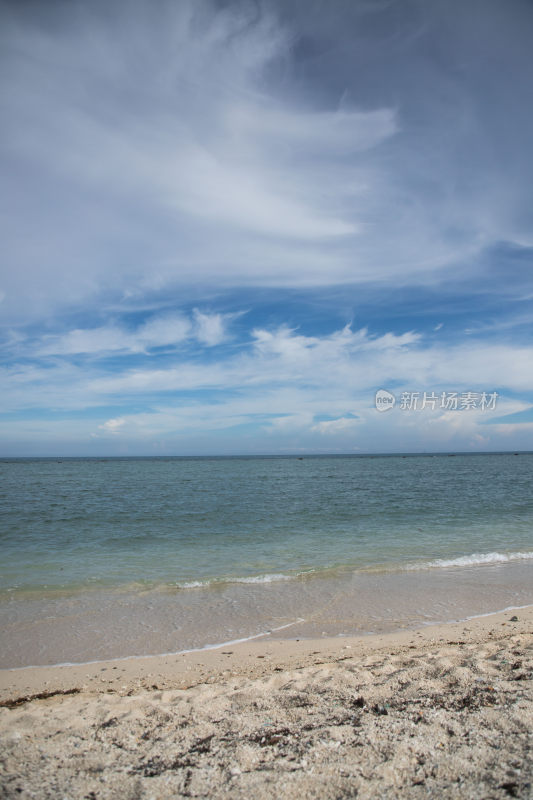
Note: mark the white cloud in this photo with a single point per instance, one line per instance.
(332, 426)
(170, 329)
(304, 351)
(112, 425)
(320, 132)
(290, 422)
(254, 197)
(280, 414)
(91, 340)
(210, 329)
(211, 147)
(200, 159)
(332, 374)
(164, 330)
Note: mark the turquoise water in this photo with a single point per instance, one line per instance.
(76, 522)
(180, 552)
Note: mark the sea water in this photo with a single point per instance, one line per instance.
(127, 556)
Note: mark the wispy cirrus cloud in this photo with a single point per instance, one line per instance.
(313, 165)
(345, 364)
(163, 330)
(204, 146)
(143, 162)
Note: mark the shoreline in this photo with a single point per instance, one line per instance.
(263, 635)
(213, 661)
(103, 626)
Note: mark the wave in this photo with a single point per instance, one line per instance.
(268, 578)
(472, 560)
(332, 571)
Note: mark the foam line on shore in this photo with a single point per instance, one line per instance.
(158, 655)
(477, 558)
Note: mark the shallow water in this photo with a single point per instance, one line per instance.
(131, 556)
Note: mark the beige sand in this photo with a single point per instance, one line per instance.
(443, 712)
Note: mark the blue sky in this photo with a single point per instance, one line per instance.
(226, 225)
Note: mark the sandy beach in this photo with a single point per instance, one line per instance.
(444, 711)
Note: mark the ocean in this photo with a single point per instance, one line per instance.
(104, 558)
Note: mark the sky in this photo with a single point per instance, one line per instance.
(226, 226)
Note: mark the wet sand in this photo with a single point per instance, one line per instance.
(55, 627)
(444, 711)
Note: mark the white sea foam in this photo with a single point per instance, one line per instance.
(268, 578)
(193, 584)
(265, 578)
(473, 560)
